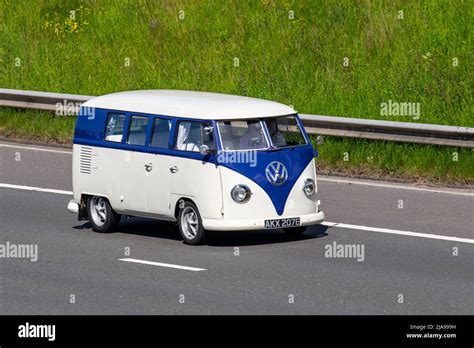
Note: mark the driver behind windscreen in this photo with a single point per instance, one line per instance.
(253, 136)
(277, 138)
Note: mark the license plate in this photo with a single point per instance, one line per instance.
(282, 223)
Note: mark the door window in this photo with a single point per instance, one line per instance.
(193, 134)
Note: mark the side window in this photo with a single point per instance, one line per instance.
(161, 133)
(114, 127)
(193, 134)
(137, 133)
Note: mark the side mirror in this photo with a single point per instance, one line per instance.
(319, 140)
(204, 150)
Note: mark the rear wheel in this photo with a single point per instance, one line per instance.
(101, 215)
(190, 224)
(295, 231)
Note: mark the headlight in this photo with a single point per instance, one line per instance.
(309, 187)
(240, 193)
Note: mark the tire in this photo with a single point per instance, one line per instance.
(190, 224)
(101, 215)
(295, 231)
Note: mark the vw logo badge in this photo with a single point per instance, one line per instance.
(276, 173)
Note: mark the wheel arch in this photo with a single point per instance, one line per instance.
(83, 213)
(178, 203)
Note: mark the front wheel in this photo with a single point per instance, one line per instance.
(190, 224)
(101, 215)
(295, 231)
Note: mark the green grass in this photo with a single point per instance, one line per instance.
(39, 126)
(295, 61)
(407, 162)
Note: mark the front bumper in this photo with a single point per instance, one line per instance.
(256, 224)
(73, 207)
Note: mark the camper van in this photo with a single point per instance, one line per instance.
(205, 161)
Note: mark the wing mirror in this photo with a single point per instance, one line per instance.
(204, 150)
(319, 140)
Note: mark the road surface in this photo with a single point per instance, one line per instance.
(417, 258)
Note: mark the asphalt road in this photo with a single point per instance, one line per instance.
(404, 270)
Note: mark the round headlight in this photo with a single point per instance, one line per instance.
(309, 187)
(240, 193)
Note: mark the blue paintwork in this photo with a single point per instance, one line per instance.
(294, 159)
(91, 131)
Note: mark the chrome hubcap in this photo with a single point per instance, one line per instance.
(189, 223)
(98, 210)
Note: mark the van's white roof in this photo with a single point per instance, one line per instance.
(203, 105)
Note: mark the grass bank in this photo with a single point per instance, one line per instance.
(329, 57)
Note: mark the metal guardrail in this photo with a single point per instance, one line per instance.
(390, 131)
(38, 100)
(314, 124)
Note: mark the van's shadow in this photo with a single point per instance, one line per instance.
(261, 237)
(168, 230)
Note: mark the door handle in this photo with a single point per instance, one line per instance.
(173, 169)
(148, 167)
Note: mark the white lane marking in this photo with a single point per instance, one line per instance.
(403, 233)
(169, 265)
(39, 189)
(326, 223)
(395, 186)
(35, 148)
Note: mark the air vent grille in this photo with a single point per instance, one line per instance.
(85, 165)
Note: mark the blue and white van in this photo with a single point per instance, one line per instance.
(207, 161)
